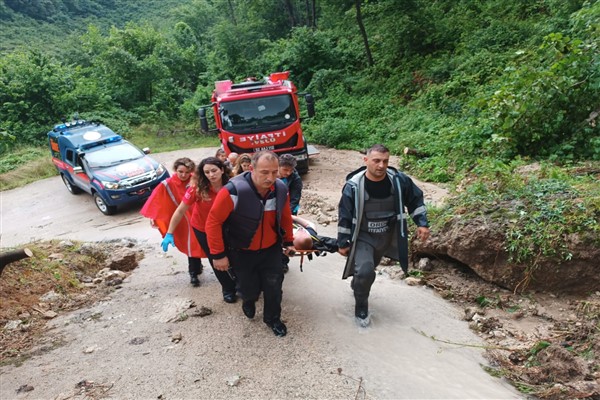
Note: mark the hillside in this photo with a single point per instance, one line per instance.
(49, 24)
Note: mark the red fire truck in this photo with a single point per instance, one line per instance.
(260, 115)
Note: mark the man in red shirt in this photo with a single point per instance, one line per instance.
(247, 227)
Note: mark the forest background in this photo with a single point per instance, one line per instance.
(479, 88)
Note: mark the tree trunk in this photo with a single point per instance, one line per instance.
(314, 14)
(290, 11)
(12, 256)
(232, 12)
(363, 32)
(308, 13)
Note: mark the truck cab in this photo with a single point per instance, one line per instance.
(260, 115)
(92, 158)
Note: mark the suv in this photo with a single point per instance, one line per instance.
(92, 158)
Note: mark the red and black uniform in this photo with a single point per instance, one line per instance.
(201, 206)
(251, 230)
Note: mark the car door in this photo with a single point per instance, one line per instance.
(77, 171)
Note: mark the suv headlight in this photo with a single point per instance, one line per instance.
(160, 170)
(110, 185)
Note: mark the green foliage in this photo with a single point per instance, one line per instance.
(461, 81)
(486, 301)
(160, 138)
(543, 106)
(22, 156)
(534, 351)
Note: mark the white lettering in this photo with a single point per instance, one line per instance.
(377, 226)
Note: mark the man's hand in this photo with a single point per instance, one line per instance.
(222, 264)
(289, 251)
(344, 251)
(423, 233)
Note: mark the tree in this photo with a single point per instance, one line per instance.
(363, 33)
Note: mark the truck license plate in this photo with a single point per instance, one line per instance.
(264, 148)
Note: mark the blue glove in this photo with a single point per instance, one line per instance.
(168, 240)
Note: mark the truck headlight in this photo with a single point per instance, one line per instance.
(110, 185)
(160, 170)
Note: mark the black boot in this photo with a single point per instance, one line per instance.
(194, 280)
(278, 327)
(249, 308)
(361, 310)
(194, 271)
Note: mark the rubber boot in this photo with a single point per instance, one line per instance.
(361, 311)
(361, 307)
(194, 271)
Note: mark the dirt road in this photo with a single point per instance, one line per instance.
(137, 344)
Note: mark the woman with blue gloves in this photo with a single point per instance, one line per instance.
(161, 206)
(209, 178)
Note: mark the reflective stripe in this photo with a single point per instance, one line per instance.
(271, 204)
(234, 199)
(402, 216)
(189, 235)
(170, 193)
(419, 210)
(347, 231)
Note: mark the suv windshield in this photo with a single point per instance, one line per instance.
(113, 155)
(257, 115)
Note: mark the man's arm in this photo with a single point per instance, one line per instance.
(415, 204)
(303, 222)
(345, 213)
(287, 224)
(295, 190)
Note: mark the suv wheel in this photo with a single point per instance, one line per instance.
(71, 188)
(102, 206)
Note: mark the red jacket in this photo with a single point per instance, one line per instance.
(265, 235)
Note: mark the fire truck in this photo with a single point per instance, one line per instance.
(260, 115)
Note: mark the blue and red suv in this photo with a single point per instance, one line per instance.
(92, 158)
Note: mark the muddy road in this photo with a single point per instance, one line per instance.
(136, 344)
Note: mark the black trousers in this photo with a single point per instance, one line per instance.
(194, 265)
(227, 284)
(260, 270)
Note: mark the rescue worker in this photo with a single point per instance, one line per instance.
(247, 226)
(242, 164)
(209, 179)
(372, 222)
(291, 177)
(160, 207)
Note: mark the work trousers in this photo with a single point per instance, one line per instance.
(260, 270)
(367, 256)
(194, 265)
(227, 284)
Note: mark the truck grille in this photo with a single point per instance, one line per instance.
(138, 180)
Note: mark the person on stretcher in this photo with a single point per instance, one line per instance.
(308, 242)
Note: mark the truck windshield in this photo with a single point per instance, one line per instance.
(258, 115)
(112, 155)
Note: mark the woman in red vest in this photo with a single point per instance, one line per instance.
(210, 177)
(160, 207)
